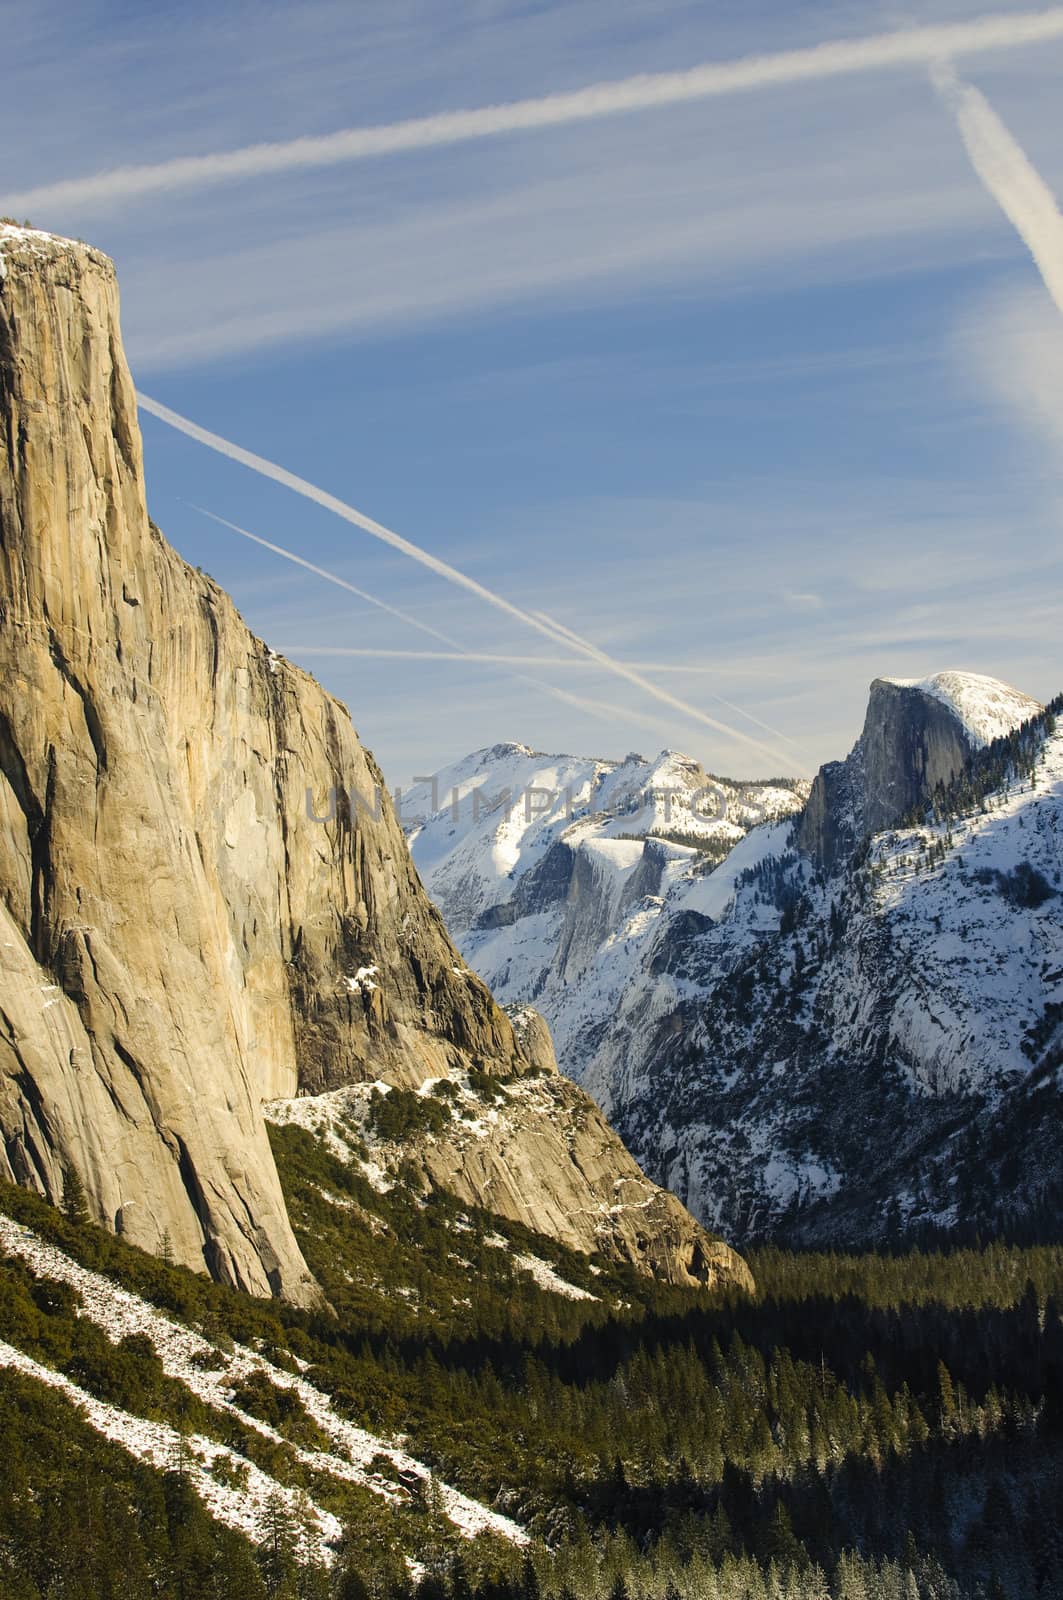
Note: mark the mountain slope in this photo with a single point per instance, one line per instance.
(826, 1061)
(553, 871)
(846, 1028)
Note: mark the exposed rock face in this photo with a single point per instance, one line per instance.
(916, 736)
(533, 1036)
(182, 935)
(552, 1162)
(540, 1153)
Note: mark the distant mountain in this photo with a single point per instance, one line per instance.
(852, 1026)
(553, 871)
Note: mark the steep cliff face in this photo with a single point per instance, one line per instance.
(916, 737)
(181, 934)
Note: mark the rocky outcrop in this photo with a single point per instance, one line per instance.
(205, 898)
(533, 1036)
(548, 1159)
(535, 1151)
(916, 736)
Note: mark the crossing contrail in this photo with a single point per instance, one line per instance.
(1009, 176)
(578, 641)
(593, 708)
(443, 569)
(330, 577)
(485, 656)
(646, 91)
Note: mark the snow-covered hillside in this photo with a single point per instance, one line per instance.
(849, 1051)
(553, 871)
(822, 1034)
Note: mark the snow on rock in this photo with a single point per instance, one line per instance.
(987, 707)
(183, 1354)
(490, 818)
(34, 242)
(913, 996)
(559, 881)
(363, 981)
(714, 894)
(977, 962)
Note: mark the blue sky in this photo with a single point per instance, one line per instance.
(764, 387)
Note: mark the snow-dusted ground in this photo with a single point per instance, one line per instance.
(243, 1502)
(183, 1354)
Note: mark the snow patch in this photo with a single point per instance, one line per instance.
(246, 1508)
(183, 1353)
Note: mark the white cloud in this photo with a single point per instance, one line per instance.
(703, 200)
(1010, 177)
(1010, 343)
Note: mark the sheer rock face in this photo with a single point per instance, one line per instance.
(911, 741)
(548, 1159)
(182, 935)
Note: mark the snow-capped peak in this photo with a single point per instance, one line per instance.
(987, 708)
(23, 241)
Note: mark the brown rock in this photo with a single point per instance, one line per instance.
(181, 937)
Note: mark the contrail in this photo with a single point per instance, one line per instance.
(594, 708)
(1009, 176)
(609, 99)
(487, 657)
(578, 641)
(603, 709)
(609, 712)
(443, 569)
(330, 577)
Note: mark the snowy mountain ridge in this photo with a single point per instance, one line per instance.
(552, 871)
(753, 1030)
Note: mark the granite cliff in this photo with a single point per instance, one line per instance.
(194, 915)
(916, 738)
